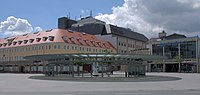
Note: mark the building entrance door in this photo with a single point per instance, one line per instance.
(22, 69)
(171, 67)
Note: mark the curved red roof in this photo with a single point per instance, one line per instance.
(54, 35)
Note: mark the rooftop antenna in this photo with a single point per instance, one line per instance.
(90, 13)
(80, 16)
(69, 15)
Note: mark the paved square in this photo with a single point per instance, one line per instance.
(19, 84)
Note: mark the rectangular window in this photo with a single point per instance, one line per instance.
(25, 41)
(35, 48)
(14, 43)
(38, 39)
(86, 41)
(44, 38)
(58, 46)
(49, 46)
(80, 48)
(104, 44)
(31, 40)
(98, 43)
(72, 39)
(55, 46)
(46, 47)
(92, 41)
(79, 40)
(64, 47)
(51, 38)
(19, 42)
(64, 38)
(22, 57)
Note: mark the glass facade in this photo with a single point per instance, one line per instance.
(171, 50)
(188, 49)
(157, 49)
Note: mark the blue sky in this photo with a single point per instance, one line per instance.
(44, 13)
(148, 17)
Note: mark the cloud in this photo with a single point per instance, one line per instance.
(38, 29)
(85, 12)
(150, 17)
(16, 26)
(82, 11)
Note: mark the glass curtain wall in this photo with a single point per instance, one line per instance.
(157, 49)
(188, 49)
(171, 50)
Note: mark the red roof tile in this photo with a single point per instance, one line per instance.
(56, 34)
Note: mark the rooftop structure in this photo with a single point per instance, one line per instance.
(53, 36)
(123, 39)
(94, 26)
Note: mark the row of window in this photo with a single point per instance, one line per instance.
(51, 38)
(129, 45)
(128, 51)
(12, 58)
(5, 52)
(48, 47)
(122, 51)
(122, 44)
(172, 50)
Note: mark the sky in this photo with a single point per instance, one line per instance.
(24, 16)
(148, 17)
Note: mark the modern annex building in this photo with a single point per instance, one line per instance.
(182, 52)
(56, 41)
